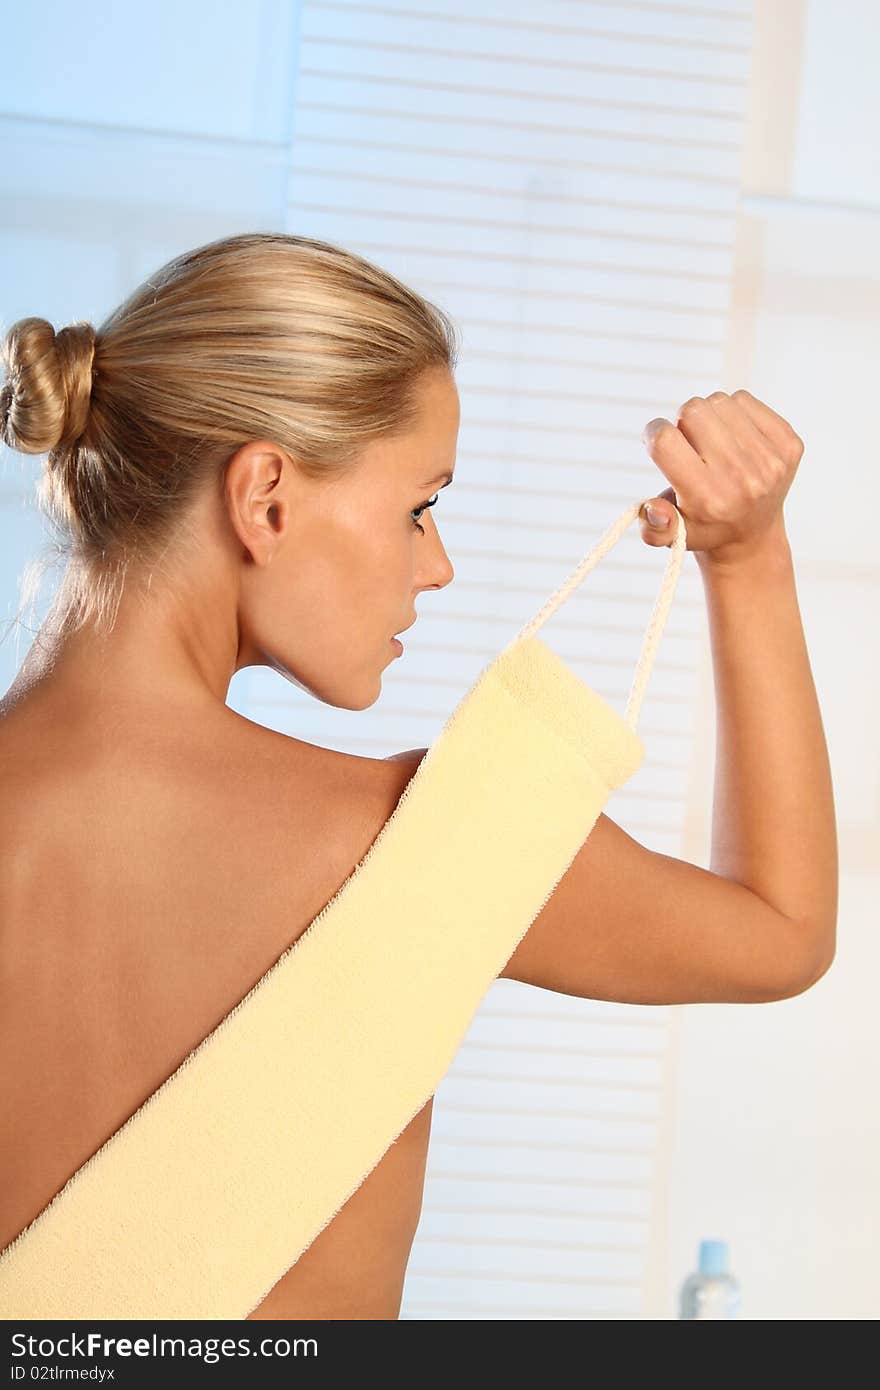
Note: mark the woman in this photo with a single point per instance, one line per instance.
(242, 462)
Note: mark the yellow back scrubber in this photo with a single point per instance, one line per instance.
(215, 1186)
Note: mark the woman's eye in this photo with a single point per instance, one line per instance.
(420, 509)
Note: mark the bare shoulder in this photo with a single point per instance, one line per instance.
(355, 795)
(410, 755)
(400, 770)
(372, 786)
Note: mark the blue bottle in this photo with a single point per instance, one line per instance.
(712, 1292)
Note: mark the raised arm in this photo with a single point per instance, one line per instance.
(628, 924)
(773, 820)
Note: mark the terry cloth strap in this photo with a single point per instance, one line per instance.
(215, 1186)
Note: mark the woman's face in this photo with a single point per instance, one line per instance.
(338, 564)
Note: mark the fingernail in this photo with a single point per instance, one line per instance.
(655, 517)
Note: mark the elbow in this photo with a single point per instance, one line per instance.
(817, 964)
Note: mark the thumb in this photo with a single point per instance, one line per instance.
(655, 518)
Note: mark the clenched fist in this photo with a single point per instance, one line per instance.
(731, 460)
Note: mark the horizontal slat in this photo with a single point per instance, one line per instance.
(584, 1165)
(563, 1028)
(539, 1095)
(598, 1069)
(541, 1131)
(526, 1297)
(588, 34)
(328, 82)
(544, 305)
(642, 359)
(726, 22)
(345, 112)
(447, 1311)
(634, 274)
(643, 212)
(565, 1229)
(463, 1192)
(671, 90)
(532, 1262)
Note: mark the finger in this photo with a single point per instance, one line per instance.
(740, 425)
(708, 433)
(682, 467)
(774, 427)
(679, 463)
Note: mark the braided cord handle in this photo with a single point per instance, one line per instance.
(661, 606)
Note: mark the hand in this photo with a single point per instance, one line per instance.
(731, 460)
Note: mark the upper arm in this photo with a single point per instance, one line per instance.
(629, 925)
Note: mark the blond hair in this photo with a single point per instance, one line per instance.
(260, 335)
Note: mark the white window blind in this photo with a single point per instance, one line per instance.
(564, 181)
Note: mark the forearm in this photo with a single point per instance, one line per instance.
(773, 822)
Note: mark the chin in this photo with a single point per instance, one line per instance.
(354, 691)
(351, 698)
(371, 698)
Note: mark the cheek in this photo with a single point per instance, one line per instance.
(351, 572)
(387, 549)
(368, 570)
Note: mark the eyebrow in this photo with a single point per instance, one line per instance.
(431, 481)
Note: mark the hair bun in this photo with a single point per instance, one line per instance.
(44, 403)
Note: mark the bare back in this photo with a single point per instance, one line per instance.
(152, 871)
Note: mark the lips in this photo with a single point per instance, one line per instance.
(404, 629)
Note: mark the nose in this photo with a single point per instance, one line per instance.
(436, 570)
